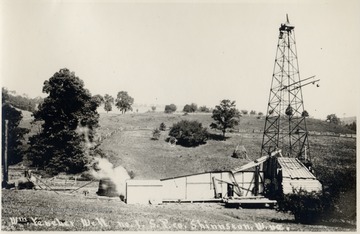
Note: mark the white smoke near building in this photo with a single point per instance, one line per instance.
(104, 170)
(111, 178)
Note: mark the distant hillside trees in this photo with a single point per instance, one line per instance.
(244, 112)
(69, 107)
(170, 108)
(204, 109)
(252, 112)
(22, 102)
(189, 133)
(153, 108)
(260, 113)
(108, 102)
(15, 134)
(351, 126)
(190, 108)
(225, 115)
(305, 114)
(332, 118)
(124, 102)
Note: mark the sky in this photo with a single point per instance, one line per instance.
(184, 52)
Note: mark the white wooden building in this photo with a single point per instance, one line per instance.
(245, 182)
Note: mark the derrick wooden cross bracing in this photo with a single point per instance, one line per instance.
(285, 125)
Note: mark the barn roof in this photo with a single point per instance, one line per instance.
(292, 168)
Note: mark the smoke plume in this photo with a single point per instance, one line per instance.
(101, 168)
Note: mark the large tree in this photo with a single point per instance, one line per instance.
(170, 108)
(190, 108)
(225, 115)
(124, 102)
(332, 118)
(15, 134)
(109, 100)
(60, 146)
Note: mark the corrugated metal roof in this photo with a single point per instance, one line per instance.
(294, 169)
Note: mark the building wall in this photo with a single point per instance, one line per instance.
(201, 186)
(246, 181)
(144, 192)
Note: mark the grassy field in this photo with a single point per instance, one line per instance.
(126, 141)
(45, 210)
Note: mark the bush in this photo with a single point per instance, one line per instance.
(131, 174)
(190, 108)
(171, 140)
(204, 109)
(156, 134)
(189, 133)
(170, 108)
(307, 207)
(162, 127)
(339, 191)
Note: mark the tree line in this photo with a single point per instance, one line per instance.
(22, 102)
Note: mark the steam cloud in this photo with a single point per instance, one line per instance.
(101, 168)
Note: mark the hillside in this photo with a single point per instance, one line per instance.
(127, 142)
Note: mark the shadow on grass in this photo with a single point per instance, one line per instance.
(172, 141)
(324, 223)
(282, 220)
(216, 137)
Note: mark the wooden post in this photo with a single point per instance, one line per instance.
(5, 163)
(215, 189)
(256, 188)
